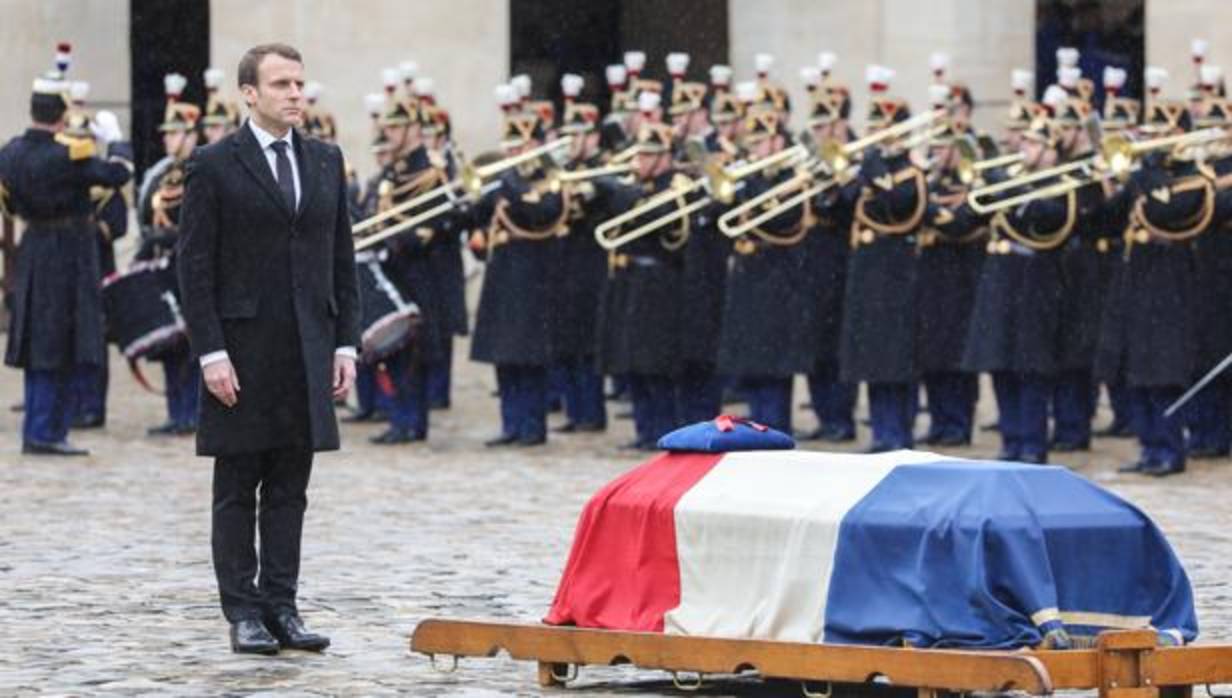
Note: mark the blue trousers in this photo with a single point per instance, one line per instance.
(408, 406)
(366, 391)
(440, 378)
(1210, 418)
(699, 393)
(1023, 401)
(47, 404)
(834, 402)
(1073, 407)
(182, 383)
(89, 392)
(951, 404)
(1120, 397)
(1162, 439)
(523, 400)
(891, 409)
(583, 391)
(654, 406)
(769, 400)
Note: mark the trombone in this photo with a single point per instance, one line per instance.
(471, 180)
(721, 184)
(1116, 157)
(591, 173)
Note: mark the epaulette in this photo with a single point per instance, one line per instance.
(78, 148)
(681, 181)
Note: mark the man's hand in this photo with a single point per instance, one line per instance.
(344, 376)
(221, 381)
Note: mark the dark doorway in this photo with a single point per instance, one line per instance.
(552, 37)
(1108, 33)
(165, 36)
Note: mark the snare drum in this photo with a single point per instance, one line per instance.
(143, 311)
(389, 319)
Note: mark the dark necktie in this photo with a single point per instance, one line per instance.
(286, 180)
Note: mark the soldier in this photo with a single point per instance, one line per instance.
(1210, 413)
(640, 312)
(519, 223)
(110, 215)
(825, 267)
(1075, 390)
(221, 116)
(699, 388)
(178, 143)
(951, 251)
(160, 238)
(581, 274)
(45, 179)
(768, 322)
(1151, 333)
(890, 198)
(1016, 320)
(412, 170)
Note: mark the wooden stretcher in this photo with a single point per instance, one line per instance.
(1123, 664)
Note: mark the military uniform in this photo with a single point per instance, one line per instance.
(56, 326)
(522, 221)
(639, 324)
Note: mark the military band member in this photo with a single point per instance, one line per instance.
(1016, 320)
(827, 247)
(640, 312)
(45, 179)
(1150, 335)
(220, 116)
(520, 223)
(951, 251)
(699, 387)
(179, 140)
(412, 170)
(581, 273)
(762, 348)
(890, 196)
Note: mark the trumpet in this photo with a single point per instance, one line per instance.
(1116, 158)
(721, 184)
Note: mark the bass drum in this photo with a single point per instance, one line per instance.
(143, 310)
(389, 318)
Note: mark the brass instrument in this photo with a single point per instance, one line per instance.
(470, 181)
(837, 156)
(1115, 159)
(720, 183)
(591, 173)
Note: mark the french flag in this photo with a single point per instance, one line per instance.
(897, 548)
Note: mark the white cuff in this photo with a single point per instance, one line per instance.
(348, 352)
(214, 357)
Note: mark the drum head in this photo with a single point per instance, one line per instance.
(389, 334)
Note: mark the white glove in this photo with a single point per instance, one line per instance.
(106, 127)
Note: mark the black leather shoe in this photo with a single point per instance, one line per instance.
(814, 435)
(838, 435)
(165, 429)
(362, 417)
(878, 448)
(502, 440)
(930, 439)
(952, 441)
(532, 440)
(438, 405)
(1134, 467)
(250, 636)
(38, 448)
(990, 426)
(292, 634)
(1164, 469)
(393, 435)
(566, 428)
(89, 421)
(1033, 458)
(1008, 456)
(1070, 446)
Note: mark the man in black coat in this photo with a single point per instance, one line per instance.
(45, 179)
(267, 274)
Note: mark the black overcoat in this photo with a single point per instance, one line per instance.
(274, 288)
(57, 302)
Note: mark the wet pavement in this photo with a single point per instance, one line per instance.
(106, 586)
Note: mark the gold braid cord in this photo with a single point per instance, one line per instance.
(501, 221)
(1047, 241)
(1195, 225)
(908, 224)
(792, 237)
(391, 194)
(674, 240)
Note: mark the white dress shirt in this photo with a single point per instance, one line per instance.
(266, 140)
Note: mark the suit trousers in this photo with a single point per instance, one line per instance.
(47, 401)
(254, 583)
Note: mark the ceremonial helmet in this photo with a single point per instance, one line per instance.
(49, 93)
(178, 116)
(1119, 112)
(578, 117)
(218, 111)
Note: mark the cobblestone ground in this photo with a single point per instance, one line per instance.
(106, 586)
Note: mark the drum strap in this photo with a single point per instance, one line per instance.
(135, 368)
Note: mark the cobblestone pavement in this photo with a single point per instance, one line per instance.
(106, 586)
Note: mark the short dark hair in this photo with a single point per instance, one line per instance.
(47, 109)
(247, 72)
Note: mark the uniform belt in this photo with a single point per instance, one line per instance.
(1004, 246)
(624, 261)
